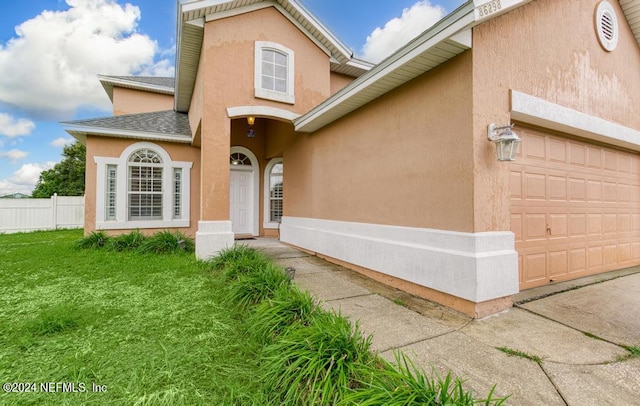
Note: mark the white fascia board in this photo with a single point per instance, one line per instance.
(533, 110)
(198, 4)
(340, 46)
(446, 28)
(137, 85)
(83, 131)
(487, 9)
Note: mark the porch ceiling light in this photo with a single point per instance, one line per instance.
(251, 132)
(506, 141)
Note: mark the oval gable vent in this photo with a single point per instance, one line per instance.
(607, 25)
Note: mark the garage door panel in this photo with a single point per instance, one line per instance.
(516, 226)
(578, 260)
(610, 160)
(557, 150)
(516, 185)
(557, 227)
(594, 191)
(575, 208)
(535, 227)
(535, 186)
(577, 190)
(578, 225)
(558, 263)
(535, 267)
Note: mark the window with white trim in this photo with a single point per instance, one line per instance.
(177, 193)
(111, 187)
(273, 182)
(145, 186)
(274, 72)
(142, 188)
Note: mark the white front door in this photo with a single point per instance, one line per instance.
(241, 200)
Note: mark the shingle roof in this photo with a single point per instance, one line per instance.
(154, 84)
(148, 80)
(158, 125)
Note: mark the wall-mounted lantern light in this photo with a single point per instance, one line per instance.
(506, 141)
(251, 132)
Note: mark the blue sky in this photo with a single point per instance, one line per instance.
(51, 52)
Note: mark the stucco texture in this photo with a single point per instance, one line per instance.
(404, 159)
(548, 49)
(226, 78)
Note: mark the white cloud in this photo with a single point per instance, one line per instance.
(24, 179)
(14, 155)
(11, 127)
(50, 69)
(62, 141)
(397, 32)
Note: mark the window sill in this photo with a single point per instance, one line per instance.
(271, 225)
(125, 225)
(275, 96)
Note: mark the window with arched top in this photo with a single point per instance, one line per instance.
(142, 188)
(238, 158)
(273, 193)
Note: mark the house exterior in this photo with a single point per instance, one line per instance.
(272, 128)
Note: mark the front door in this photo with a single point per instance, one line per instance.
(241, 200)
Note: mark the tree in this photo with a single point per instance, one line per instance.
(66, 178)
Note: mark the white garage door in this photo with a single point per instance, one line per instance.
(575, 208)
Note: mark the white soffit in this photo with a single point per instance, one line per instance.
(533, 110)
(631, 10)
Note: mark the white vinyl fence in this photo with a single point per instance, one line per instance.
(17, 215)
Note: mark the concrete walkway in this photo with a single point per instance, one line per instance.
(580, 335)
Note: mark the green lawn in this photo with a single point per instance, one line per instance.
(150, 329)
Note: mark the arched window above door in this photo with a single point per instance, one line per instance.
(238, 158)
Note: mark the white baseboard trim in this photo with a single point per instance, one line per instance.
(212, 237)
(473, 266)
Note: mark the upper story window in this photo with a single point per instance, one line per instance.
(274, 74)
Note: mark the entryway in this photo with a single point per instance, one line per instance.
(242, 192)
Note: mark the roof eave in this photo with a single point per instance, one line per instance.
(631, 10)
(453, 33)
(80, 132)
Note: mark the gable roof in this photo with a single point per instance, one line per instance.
(154, 84)
(157, 126)
(192, 15)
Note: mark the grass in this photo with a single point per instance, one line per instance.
(165, 329)
(155, 329)
(521, 354)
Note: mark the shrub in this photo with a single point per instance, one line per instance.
(97, 239)
(403, 383)
(261, 283)
(316, 364)
(166, 242)
(239, 258)
(127, 242)
(289, 306)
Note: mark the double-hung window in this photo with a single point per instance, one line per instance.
(274, 76)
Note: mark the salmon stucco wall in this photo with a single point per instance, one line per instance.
(113, 147)
(130, 101)
(404, 159)
(548, 49)
(338, 81)
(226, 80)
